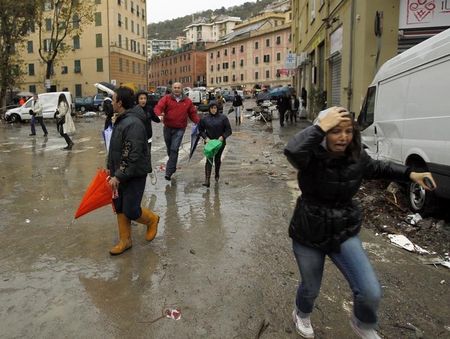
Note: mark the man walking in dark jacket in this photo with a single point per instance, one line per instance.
(175, 108)
(128, 165)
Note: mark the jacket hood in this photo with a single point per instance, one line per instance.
(136, 111)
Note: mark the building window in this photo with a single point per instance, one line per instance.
(30, 46)
(75, 21)
(242, 77)
(233, 50)
(218, 54)
(47, 45)
(64, 69)
(120, 40)
(212, 68)
(233, 65)
(225, 78)
(256, 75)
(98, 2)
(267, 42)
(212, 81)
(278, 40)
(32, 88)
(234, 77)
(126, 44)
(132, 26)
(267, 58)
(30, 69)
(98, 18)
(211, 55)
(77, 66)
(78, 92)
(278, 56)
(119, 20)
(242, 62)
(126, 23)
(48, 24)
(256, 44)
(119, 2)
(98, 40)
(256, 60)
(100, 65)
(76, 42)
(267, 74)
(225, 52)
(218, 67)
(120, 65)
(242, 48)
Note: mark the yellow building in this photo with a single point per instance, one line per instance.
(112, 49)
(340, 44)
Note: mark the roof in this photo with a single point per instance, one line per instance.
(240, 32)
(431, 49)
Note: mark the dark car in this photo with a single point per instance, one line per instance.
(98, 101)
(83, 104)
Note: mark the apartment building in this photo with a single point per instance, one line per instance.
(212, 30)
(112, 48)
(156, 46)
(186, 65)
(254, 54)
(340, 44)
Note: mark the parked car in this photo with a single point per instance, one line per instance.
(98, 101)
(227, 95)
(49, 102)
(83, 104)
(405, 116)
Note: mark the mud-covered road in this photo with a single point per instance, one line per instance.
(222, 255)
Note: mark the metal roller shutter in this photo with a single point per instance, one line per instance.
(335, 67)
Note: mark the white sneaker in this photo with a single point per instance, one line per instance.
(153, 178)
(364, 333)
(303, 325)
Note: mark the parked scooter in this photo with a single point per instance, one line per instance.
(264, 111)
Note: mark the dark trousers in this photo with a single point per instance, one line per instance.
(217, 163)
(40, 120)
(282, 113)
(130, 195)
(64, 135)
(172, 138)
(149, 147)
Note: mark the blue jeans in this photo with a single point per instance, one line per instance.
(352, 261)
(40, 120)
(172, 138)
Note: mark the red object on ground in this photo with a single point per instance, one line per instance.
(98, 194)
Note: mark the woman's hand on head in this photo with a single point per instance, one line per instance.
(333, 117)
(424, 179)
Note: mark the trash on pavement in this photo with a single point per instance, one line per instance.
(413, 219)
(27, 221)
(403, 242)
(89, 114)
(173, 314)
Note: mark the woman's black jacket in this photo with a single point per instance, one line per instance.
(150, 116)
(237, 101)
(128, 152)
(214, 126)
(326, 214)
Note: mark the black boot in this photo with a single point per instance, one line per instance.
(217, 171)
(208, 170)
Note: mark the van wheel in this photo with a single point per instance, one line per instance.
(15, 118)
(420, 200)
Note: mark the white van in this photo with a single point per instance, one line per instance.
(49, 103)
(406, 115)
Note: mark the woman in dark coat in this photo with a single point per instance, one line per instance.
(214, 126)
(142, 101)
(326, 220)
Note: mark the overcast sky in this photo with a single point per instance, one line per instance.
(160, 10)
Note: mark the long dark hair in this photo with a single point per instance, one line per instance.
(353, 150)
(62, 98)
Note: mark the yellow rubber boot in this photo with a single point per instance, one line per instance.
(124, 235)
(151, 220)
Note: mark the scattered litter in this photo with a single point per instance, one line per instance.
(192, 251)
(35, 210)
(403, 242)
(27, 221)
(89, 114)
(442, 282)
(413, 219)
(173, 314)
(55, 168)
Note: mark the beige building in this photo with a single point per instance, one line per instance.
(204, 30)
(253, 54)
(113, 49)
(340, 44)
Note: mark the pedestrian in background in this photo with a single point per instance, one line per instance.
(64, 122)
(283, 103)
(214, 125)
(36, 115)
(326, 220)
(128, 165)
(294, 105)
(237, 105)
(109, 112)
(142, 101)
(175, 108)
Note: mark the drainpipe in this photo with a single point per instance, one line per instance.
(350, 69)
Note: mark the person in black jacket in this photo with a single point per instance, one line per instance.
(109, 112)
(237, 105)
(214, 126)
(142, 101)
(128, 165)
(283, 104)
(294, 104)
(326, 219)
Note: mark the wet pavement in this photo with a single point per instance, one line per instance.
(221, 256)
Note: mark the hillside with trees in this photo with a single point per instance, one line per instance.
(170, 29)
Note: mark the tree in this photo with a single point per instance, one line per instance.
(58, 20)
(16, 19)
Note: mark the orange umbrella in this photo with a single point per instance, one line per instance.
(97, 195)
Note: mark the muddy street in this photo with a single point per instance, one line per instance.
(222, 255)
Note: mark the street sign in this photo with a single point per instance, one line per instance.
(291, 61)
(47, 83)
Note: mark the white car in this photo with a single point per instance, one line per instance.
(49, 103)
